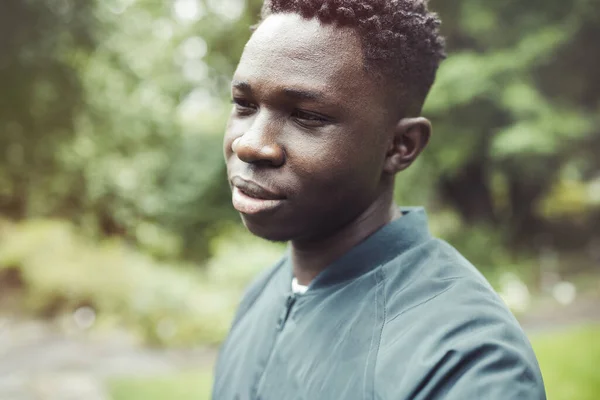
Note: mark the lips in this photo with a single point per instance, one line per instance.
(254, 190)
(251, 198)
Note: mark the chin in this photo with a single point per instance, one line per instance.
(272, 232)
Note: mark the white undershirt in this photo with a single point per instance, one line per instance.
(298, 288)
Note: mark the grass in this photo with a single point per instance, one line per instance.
(185, 386)
(568, 359)
(569, 362)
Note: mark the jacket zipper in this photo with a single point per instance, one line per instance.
(289, 304)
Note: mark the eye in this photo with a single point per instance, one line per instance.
(310, 119)
(244, 107)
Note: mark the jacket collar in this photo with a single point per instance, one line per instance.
(379, 248)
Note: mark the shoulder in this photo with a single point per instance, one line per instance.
(447, 334)
(433, 270)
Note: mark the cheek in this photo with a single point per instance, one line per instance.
(338, 165)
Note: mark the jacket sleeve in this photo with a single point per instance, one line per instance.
(481, 366)
(457, 351)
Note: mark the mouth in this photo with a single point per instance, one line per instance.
(251, 198)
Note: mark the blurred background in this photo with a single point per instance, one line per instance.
(122, 260)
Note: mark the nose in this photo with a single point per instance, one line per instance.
(258, 145)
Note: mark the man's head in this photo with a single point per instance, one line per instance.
(326, 95)
(400, 39)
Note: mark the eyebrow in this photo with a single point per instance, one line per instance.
(300, 94)
(242, 85)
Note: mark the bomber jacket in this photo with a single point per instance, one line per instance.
(402, 315)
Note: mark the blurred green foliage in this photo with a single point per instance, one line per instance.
(113, 114)
(54, 271)
(111, 118)
(515, 111)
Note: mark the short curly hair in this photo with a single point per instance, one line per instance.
(401, 39)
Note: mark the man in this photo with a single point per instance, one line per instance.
(365, 304)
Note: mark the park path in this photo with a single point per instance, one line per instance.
(41, 361)
(550, 316)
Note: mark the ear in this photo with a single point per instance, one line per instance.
(411, 135)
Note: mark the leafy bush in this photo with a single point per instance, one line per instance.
(60, 272)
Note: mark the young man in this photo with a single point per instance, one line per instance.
(365, 304)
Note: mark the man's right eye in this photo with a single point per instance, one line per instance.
(244, 107)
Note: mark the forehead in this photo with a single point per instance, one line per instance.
(289, 51)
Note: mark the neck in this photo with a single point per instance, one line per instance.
(310, 259)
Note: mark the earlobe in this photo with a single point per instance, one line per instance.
(411, 135)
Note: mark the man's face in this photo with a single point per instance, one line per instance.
(308, 133)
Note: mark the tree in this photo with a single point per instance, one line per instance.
(113, 113)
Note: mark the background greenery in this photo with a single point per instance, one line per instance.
(112, 191)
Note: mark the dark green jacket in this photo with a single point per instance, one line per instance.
(400, 316)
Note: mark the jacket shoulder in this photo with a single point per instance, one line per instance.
(449, 335)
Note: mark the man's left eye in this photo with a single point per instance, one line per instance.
(310, 120)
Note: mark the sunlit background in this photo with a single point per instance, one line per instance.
(121, 259)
